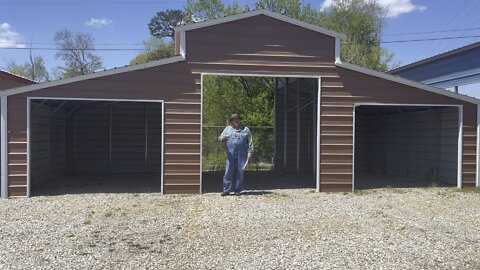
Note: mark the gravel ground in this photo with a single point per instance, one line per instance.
(276, 229)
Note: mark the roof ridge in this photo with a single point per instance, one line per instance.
(257, 12)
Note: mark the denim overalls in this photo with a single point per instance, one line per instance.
(239, 144)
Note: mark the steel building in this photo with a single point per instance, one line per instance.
(336, 120)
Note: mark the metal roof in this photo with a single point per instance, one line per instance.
(265, 12)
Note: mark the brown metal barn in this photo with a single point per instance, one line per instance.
(147, 118)
(9, 80)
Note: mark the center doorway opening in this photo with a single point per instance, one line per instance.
(94, 146)
(281, 113)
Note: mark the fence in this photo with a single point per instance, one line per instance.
(214, 152)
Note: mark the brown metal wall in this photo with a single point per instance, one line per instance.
(338, 97)
(173, 83)
(257, 45)
(9, 81)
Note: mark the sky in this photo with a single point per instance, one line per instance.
(122, 24)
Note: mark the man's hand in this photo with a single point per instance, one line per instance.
(249, 156)
(223, 137)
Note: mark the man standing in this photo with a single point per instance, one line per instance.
(239, 151)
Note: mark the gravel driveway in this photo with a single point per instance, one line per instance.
(276, 229)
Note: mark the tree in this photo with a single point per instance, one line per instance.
(204, 10)
(362, 22)
(291, 8)
(154, 49)
(34, 69)
(78, 53)
(163, 23)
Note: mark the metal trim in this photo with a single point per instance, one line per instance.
(460, 148)
(4, 146)
(460, 132)
(201, 133)
(407, 82)
(33, 87)
(265, 12)
(477, 175)
(95, 99)
(318, 155)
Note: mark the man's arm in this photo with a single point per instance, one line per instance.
(250, 143)
(225, 134)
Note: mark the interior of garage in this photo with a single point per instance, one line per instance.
(405, 146)
(285, 152)
(92, 146)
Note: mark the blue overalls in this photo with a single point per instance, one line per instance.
(239, 144)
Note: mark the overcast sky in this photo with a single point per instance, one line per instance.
(124, 24)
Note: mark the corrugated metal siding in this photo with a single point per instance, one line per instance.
(420, 144)
(91, 140)
(48, 144)
(257, 45)
(338, 97)
(10, 81)
(173, 83)
(307, 90)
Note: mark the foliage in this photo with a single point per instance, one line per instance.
(78, 53)
(154, 49)
(163, 23)
(291, 8)
(203, 10)
(252, 97)
(362, 22)
(34, 69)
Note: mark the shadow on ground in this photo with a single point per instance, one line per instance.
(258, 183)
(100, 183)
(366, 180)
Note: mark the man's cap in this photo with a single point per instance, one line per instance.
(233, 116)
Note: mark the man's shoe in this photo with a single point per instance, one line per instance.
(224, 194)
(237, 193)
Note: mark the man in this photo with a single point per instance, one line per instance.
(239, 152)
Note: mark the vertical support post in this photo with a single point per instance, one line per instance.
(477, 174)
(318, 157)
(28, 146)
(298, 126)
(4, 147)
(314, 130)
(74, 169)
(110, 137)
(460, 147)
(275, 125)
(146, 136)
(354, 121)
(163, 151)
(201, 135)
(285, 127)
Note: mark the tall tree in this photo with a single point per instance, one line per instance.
(292, 8)
(33, 69)
(362, 22)
(163, 23)
(204, 10)
(77, 51)
(154, 49)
